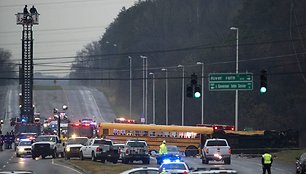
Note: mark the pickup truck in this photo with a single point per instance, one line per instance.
(73, 146)
(99, 149)
(135, 150)
(47, 145)
(216, 149)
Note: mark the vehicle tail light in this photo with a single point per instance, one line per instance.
(127, 151)
(185, 172)
(98, 149)
(206, 151)
(229, 151)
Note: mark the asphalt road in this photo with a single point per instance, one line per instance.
(9, 162)
(243, 165)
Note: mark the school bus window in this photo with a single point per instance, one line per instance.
(152, 134)
(167, 134)
(105, 131)
(130, 133)
(115, 132)
(145, 133)
(173, 134)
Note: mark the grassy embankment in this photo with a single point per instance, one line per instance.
(289, 155)
(98, 167)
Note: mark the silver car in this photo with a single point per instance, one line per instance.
(24, 148)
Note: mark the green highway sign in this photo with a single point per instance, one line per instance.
(230, 81)
(230, 86)
(230, 77)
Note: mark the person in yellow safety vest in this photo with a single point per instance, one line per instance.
(266, 162)
(163, 148)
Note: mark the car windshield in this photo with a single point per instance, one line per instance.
(25, 143)
(216, 143)
(136, 144)
(172, 149)
(103, 142)
(176, 166)
(46, 139)
(77, 141)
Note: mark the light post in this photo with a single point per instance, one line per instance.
(65, 107)
(165, 69)
(183, 94)
(145, 87)
(114, 45)
(153, 96)
(202, 91)
(130, 61)
(236, 98)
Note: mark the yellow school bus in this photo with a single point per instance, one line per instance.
(187, 138)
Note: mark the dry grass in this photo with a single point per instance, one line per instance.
(98, 167)
(289, 155)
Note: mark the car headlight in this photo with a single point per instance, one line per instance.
(67, 149)
(20, 149)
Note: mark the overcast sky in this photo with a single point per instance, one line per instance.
(65, 27)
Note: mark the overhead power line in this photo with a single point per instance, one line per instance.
(199, 47)
(140, 78)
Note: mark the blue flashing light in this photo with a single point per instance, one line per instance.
(166, 161)
(24, 120)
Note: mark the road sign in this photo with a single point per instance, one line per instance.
(230, 86)
(217, 77)
(230, 81)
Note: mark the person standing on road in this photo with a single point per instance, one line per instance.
(1, 142)
(163, 148)
(266, 162)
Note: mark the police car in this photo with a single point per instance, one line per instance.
(24, 147)
(173, 167)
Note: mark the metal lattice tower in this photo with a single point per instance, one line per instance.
(26, 69)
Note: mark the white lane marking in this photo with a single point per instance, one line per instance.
(65, 167)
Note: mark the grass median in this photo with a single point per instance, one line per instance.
(290, 155)
(98, 167)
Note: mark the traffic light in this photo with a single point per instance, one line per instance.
(189, 91)
(263, 81)
(194, 90)
(197, 92)
(194, 79)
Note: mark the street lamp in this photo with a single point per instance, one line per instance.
(65, 107)
(130, 61)
(164, 69)
(153, 96)
(236, 98)
(183, 90)
(202, 91)
(114, 45)
(145, 87)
